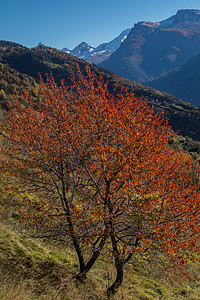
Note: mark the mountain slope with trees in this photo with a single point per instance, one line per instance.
(182, 82)
(182, 115)
(12, 82)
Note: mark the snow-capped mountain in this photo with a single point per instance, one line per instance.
(104, 51)
(101, 52)
(83, 50)
(154, 48)
(67, 50)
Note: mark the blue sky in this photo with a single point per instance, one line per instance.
(64, 23)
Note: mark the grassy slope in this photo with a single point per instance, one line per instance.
(32, 269)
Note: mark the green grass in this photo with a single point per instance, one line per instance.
(35, 269)
(51, 64)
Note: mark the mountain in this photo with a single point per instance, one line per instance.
(83, 50)
(39, 60)
(182, 115)
(104, 51)
(154, 48)
(100, 53)
(66, 50)
(182, 82)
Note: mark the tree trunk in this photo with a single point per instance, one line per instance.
(119, 278)
(82, 274)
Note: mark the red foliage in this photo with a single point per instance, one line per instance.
(104, 171)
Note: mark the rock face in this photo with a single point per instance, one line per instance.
(152, 49)
(100, 53)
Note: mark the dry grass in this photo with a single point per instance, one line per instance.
(31, 269)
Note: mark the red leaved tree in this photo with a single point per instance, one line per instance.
(102, 173)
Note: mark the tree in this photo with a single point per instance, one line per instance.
(102, 173)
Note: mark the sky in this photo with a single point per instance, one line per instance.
(64, 23)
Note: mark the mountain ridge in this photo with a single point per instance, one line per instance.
(154, 48)
(101, 52)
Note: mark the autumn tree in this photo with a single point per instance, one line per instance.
(102, 173)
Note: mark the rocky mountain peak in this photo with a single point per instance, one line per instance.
(82, 50)
(183, 16)
(188, 15)
(144, 27)
(83, 46)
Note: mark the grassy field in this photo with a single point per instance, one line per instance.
(35, 269)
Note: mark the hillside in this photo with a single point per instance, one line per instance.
(182, 115)
(36, 269)
(12, 82)
(182, 82)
